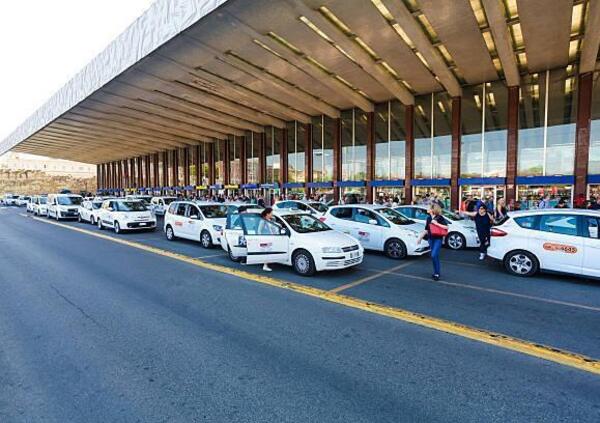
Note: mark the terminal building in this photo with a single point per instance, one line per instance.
(403, 98)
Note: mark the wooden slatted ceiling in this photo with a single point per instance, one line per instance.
(546, 27)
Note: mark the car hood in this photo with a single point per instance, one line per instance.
(327, 239)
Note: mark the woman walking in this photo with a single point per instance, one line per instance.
(483, 224)
(500, 210)
(435, 229)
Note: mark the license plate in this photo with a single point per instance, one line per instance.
(142, 224)
(354, 255)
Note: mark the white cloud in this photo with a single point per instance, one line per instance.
(45, 43)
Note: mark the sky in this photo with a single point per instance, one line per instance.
(44, 43)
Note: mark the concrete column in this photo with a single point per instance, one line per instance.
(512, 143)
(582, 137)
(455, 154)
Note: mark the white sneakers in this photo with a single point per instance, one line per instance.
(266, 268)
(481, 256)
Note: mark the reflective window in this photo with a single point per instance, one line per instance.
(390, 140)
(322, 144)
(219, 168)
(484, 130)
(193, 154)
(296, 137)
(252, 157)
(180, 166)
(594, 158)
(354, 145)
(547, 113)
(235, 155)
(559, 224)
(433, 136)
(274, 138)
(204, 164)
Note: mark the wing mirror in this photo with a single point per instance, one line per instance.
(283, 231)
(110, 209)
(372, 222)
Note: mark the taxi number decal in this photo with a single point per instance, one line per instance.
(569, 249)
(363, 235)
(265, 244)
(178, 224)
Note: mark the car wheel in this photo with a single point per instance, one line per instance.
(456, 241)
(521, 263)
(169, 233)
(395, 249)
(205, 239)
(100, 225)
(304, 263)
(117, 227)
(233, 258)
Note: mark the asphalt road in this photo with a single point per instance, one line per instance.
(95, 331)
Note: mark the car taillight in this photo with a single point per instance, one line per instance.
(498, 232)
(322, 219)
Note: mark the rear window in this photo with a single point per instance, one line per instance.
(342, 213)
(527, 222)
(559, 224)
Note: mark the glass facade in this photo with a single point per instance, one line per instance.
(390, 140)
(484, 131)
(274, 138)
(180, 167)
(594, 157)
(547, 114)
(219, 163)
(322, 148)
(296, 138)
(204, 165)
(433, 136)
(235, 155)
(193, 154)
(252, 157)
(354, 145)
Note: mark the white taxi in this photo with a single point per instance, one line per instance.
(313, 207)
(89, 210)
(559, 240)
(292, 238)
(159, 205)
(197, 221)
(122, 214)
(461, 231)
(30, 204)
(378, 228)
(40, 206)
(64, 206)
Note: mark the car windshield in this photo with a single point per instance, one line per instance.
(169, 200)
(43, 200)
(69, 201)
(395, 217)
(450, 215)
(27, 198)
(214, 212)
(131, 206)
(320, 207)
(14, 197)
(304, 223)
(97, 204)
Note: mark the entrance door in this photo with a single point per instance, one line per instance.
(265, 242)
(388, 194)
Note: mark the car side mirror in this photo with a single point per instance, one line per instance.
(110, 209)
(372, 222)
(283, 231)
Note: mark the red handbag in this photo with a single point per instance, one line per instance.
(437, 230)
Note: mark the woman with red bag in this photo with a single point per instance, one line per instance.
(435, 229)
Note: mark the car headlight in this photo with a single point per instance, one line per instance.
(217, 228)
(331, 249)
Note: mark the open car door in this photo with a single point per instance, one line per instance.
(266, 242)
(234, 235)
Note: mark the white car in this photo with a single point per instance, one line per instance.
(559, 240)
(292, 238)
(313, 207)
(197, 221)
(378, 228)
(10, 199)
(125, 215)
(159, 205)
(40, 206)
(22, 200)
(461, 231)
(30, 204)
(89, 211)
(64, 206)
(145, 198)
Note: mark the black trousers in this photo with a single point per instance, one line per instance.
(484, 241)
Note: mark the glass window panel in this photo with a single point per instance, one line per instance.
(193, 170)
(252, 153)
(397, 140)
(530, 159)
(594, 157)
(496, 134)
(471, 152)
(296, 151)
(328, 139)
(442, 135)
(562, 115)
(347, 144)
(273, 147)
(161, 176)
(422, 167)
(180, 167)
(382, 157)
(219, 169)
(317, 148)
(235, 170)
(361, 134)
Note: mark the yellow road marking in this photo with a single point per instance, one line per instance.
(491, 290)
(555, 355)
(369, 278)
(211, 256)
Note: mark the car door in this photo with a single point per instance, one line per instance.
(264, 241)
(179, 220)
(193, 222)
(340, 219)
(367, 228)
(591, 246)
(234, 235)
(557, 243)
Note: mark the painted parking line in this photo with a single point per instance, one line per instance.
(491, 290)
(533, 349)
(369, 278)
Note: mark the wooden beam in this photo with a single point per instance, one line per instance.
(591, 39)
(494, 11)
(421, 42)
